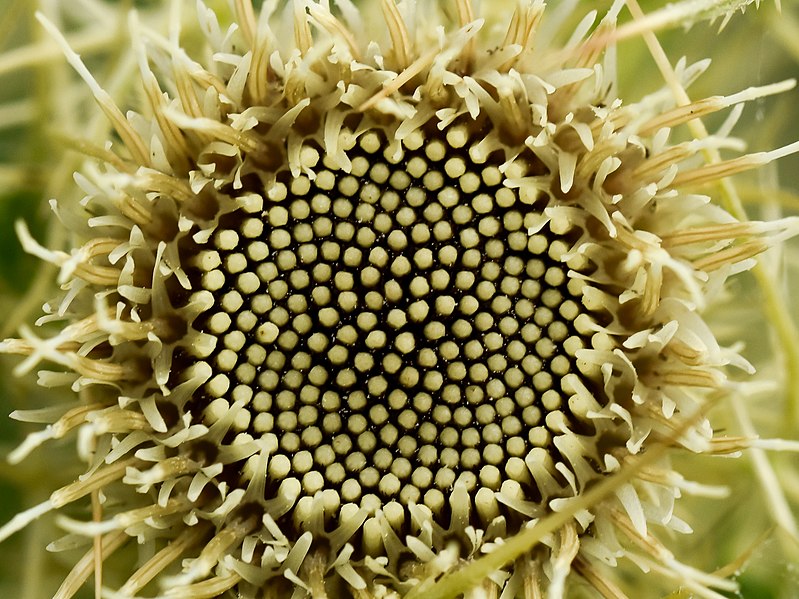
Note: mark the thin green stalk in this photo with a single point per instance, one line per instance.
(458, 582)
(780, 509)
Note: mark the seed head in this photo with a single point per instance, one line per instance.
(362, 295)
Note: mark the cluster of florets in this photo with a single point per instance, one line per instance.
(356, 311)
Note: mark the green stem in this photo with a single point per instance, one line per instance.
(458, 582)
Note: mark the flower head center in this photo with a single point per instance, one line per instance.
(394, 327)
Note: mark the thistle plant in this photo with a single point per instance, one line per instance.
(395, 300)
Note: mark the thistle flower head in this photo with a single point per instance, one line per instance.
(368, 290)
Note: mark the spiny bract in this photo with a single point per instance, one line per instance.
(364, 294)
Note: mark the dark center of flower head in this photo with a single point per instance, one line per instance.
(396, 327)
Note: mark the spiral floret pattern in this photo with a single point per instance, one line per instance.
(349, 305)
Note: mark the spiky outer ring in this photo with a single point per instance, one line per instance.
(267, 105)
